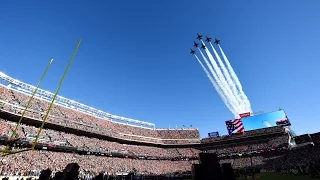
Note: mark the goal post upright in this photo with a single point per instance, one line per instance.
(6, 149)
(55, 95)
(31, 98)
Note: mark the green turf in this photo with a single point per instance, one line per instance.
(278, 176)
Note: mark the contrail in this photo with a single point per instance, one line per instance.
(227, 75)
(216, 86)
(224, 83)
(234, 108)
(236, 80)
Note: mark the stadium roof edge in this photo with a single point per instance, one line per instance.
(70, 103)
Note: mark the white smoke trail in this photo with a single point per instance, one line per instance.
(236, 80)
(224, 83)
(234, 108)
(228, 78)
(216, 86)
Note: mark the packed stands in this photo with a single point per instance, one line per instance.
(177, 158)
(49, 136)
(172, 159)
(31, 162)
(146, 150)
(14, 102)
(111, 156)
(258, 132)
(266, 153)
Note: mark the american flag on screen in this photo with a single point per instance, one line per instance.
(235, 126)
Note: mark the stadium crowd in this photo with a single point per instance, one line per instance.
(264, 131)
(279, 161)
(269, 153)
(14, 102)
(49, 136)
(32, 162)
(248, 147)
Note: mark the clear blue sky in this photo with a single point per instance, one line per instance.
(134, 60)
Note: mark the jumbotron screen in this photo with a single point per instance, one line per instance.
(276, 118)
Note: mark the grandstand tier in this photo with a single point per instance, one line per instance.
(72, 134)
(12, 104)
(95, 154)
(68, 103)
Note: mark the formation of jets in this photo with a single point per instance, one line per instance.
(203, 46)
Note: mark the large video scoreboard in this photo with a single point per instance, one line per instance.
(265, 120)
(276, 118)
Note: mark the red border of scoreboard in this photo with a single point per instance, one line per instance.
(243, 115)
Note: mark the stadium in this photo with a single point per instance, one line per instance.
(102, 142)
(159, 61)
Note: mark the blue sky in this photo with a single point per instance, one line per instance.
(134, 60)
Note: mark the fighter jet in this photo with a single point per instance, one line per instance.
(208, 39)
(199, 36)
(195, 44)
(217, 41)
(203, 46)
(192, 51)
